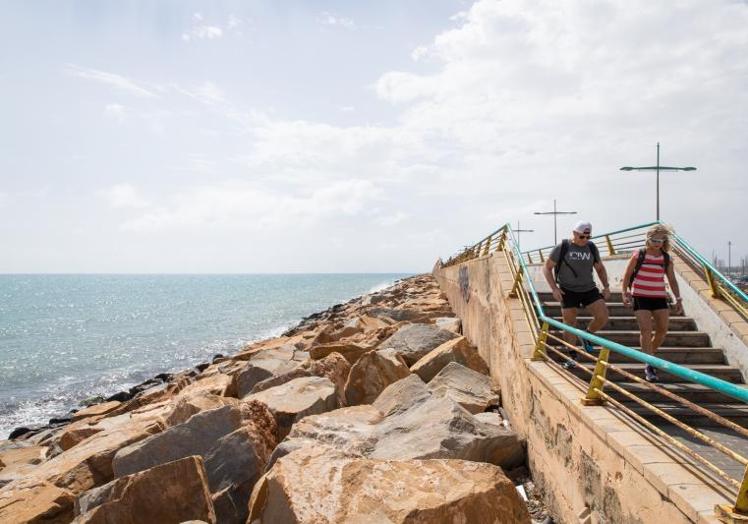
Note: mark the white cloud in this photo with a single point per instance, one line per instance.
(202, 31)
(123, 196)
(331, 19)
(114, 80)
(239, 205)
(206, 93)
(116, 112)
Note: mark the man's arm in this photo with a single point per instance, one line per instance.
(548, 274)
(603, 274)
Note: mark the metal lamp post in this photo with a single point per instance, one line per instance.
(657, 168)
(519, 230)
(555, 214)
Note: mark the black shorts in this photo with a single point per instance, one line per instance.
(575, 299)
(650, 304)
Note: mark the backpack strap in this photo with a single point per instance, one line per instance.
(666, 257)
(562, 258)
(638, 266)
(595, 252)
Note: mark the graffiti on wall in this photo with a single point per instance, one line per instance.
(464, 284)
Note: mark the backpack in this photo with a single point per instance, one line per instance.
(562, 256)
(640, 261)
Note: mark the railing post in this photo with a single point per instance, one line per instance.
(739, 512)
(712, 282)
(540, 252)
(593, 397)
(529, 258)
(611, 249)
(488, 245)
(539, 353)
(502, 241)
(517, 283)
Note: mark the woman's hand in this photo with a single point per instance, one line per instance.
(558, 295)
(678, 307)
(627, 299)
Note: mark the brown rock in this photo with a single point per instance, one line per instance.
(172, 492)
(188, 405)
(263, 365)
(413, 341)
(470, 389)
(351, 352)
(36, 501)
(296, 399)
(372, 374)
(365, 490)
(96, 410)
(457, 350)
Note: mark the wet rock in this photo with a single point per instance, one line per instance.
(96, 410)
(122, 396)
(371, 374)
(171, 492)
(470, 389)
(456, 350)
(413, 341)
(366, 490)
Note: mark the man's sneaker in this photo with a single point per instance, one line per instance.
(587, 345)
(570, 364)
(650, 374)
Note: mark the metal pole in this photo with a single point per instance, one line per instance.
(555, 227)
(519, 231)
(658, 181)
(729, 258)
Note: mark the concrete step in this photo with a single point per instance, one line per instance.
(628, 323)
(721, 371)
(615, 309)
(737, 413)
(546, 296)
(686, 339)
(676, 355)
(693, 392)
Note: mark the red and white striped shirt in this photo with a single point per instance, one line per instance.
(650, 280)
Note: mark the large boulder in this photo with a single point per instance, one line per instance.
(372, 374)
(413, 341)
(350, 351)
(456, 350)
(419, 425)
(296, 399)
(185, 406)
(470, 389)
(172, 492)
(452, 324)
(367, 491)
(32, 500)
(263, 365)
(197, 436)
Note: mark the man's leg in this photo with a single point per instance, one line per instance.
(569, 315)
(661, 318)
(599, 312)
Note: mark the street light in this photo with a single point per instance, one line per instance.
(518, 231)
(658, 168)
(555, 214)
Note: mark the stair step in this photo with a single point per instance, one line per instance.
(674, 354)
(628, 323)
(690, 391)
(688, 339)
(615, 309)
(548, 296)
(737, 413)
(721, 371)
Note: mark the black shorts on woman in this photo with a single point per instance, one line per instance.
(576, 299)
(650, 303)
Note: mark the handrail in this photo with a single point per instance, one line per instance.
(695, 254)
(609, 233)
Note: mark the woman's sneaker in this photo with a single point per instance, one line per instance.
(650, 374)
(570, 364)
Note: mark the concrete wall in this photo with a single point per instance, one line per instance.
(593, 464)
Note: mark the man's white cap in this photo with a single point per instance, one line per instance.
(583, 227)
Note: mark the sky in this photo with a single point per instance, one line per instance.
(330, 136)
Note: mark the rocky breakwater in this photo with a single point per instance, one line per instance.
(376, 410)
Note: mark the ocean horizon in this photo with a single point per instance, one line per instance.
(65, 337)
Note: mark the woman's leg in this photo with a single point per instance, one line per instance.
(644, 318)
(661, 318)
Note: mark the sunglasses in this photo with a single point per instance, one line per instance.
(657, 240)
(584, 237)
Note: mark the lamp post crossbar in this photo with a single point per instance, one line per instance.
(555, 214)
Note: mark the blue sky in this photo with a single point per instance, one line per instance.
(358, 136)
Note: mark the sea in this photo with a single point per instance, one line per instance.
(66, 338)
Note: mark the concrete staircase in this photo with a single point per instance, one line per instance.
(684, 345)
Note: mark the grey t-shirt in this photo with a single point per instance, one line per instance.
(582, 260)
